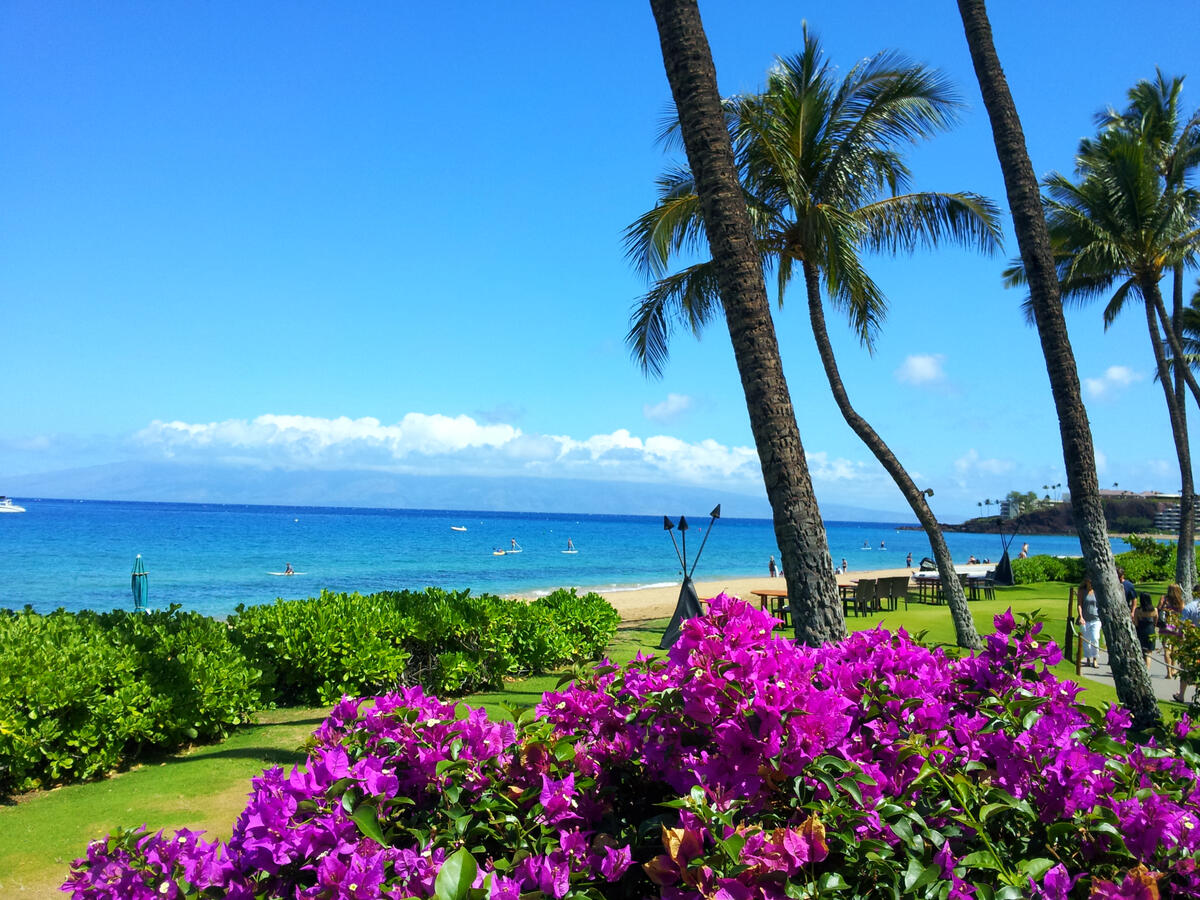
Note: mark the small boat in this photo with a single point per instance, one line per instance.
(458, 527)
(7, 506)
(499, 552)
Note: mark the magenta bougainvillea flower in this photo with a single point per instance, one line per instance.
(738, 767)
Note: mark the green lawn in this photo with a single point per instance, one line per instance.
(206, 787)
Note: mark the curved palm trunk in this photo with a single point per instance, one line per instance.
(1079, 456)
(1173, 329)
(1185, 563)
(812, 590)
(964, 624)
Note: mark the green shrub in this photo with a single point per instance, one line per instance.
(316, 650)
(83, 693)
(1147, 560)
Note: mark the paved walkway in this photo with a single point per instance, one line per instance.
(1164, 687)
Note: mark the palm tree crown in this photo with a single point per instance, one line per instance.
(822, 169)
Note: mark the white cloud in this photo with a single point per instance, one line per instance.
(1114, 378)
(822, 468)
(668, 410)
(971, 463)
(922, 368)
(439, 444)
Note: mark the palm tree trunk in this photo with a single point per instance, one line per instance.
(1079, 456)
(1171, 328)
(812, 589)
(1185, 561)
(964, 623)
(1187, 546)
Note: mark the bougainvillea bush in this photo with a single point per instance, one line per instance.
(739, 767)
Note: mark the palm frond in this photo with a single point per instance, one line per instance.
(689, 297)
(928, 219)
(1117, 302)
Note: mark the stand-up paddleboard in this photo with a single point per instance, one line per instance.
(458, 527)
(569, 551)
(287, 573)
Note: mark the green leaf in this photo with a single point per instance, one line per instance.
(1035, 868)
(456, 876)
(929, 874)
(914, 871)
(981, 859)
(833, 881)
(989, 809)
(366, 817)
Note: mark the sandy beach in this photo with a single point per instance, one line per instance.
(658, 602)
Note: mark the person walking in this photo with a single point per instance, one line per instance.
(1188, 618)
(908, 560)
(1145, 619)
(772, 570)
(1131, 593)
(1169, 609)
(1089, 618)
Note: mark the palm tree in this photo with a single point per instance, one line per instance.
(1131, 678)
(822, 169)
(1154, 115)
(1124, 225)
(737, 274)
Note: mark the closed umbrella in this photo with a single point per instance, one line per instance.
(141, 590)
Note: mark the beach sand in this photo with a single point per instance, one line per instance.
(642, 604)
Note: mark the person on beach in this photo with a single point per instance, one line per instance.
(845, 568)
(1144, 623)
(771, 568)
(1170, 607)
(1024, 554)
(288, 570)
(908, 560)
(971, 560)
(1089, 618)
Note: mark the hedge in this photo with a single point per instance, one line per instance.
(83, 694)
(1148, 560)
(316, 650)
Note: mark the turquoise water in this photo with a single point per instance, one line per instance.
(209, 558)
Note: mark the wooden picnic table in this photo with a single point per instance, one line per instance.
(774, 601)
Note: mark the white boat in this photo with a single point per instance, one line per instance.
(7, 506)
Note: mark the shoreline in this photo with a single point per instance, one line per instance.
(657, 601)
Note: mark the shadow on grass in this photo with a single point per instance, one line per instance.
(270, 756)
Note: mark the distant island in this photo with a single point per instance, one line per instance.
(1122, 515)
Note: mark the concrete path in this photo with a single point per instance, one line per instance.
(1164, 688)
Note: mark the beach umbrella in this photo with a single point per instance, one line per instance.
(141, 590)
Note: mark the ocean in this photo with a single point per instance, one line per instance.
(78, 554)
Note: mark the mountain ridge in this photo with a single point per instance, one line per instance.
(190, 483)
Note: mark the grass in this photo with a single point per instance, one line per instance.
(205, 788)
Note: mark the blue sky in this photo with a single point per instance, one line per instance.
(389, 236)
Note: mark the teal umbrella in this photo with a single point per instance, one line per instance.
(141, 590)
